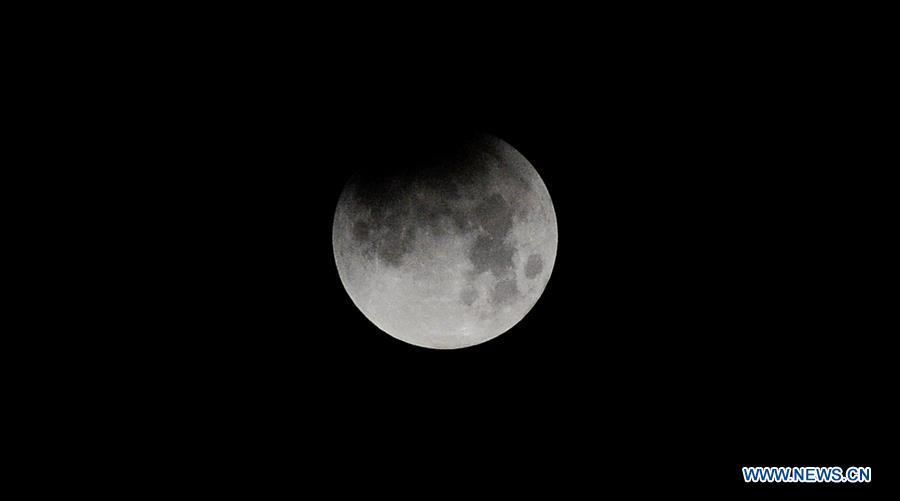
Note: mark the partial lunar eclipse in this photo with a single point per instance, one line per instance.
(451, 249)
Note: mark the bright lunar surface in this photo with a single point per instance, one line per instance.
(451, 248)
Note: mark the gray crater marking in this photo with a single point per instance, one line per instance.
(505, 292)
(495, 216)
(490, 251)
(397, 239)
(468, 296)
(534, 266)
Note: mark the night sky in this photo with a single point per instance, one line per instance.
(720, 292)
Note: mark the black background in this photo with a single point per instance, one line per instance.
(715, 302)
(719, 297)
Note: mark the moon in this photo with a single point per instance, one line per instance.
(449, 247)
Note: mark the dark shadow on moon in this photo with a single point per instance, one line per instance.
(392, 205)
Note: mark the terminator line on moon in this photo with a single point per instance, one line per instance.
(451, 250)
